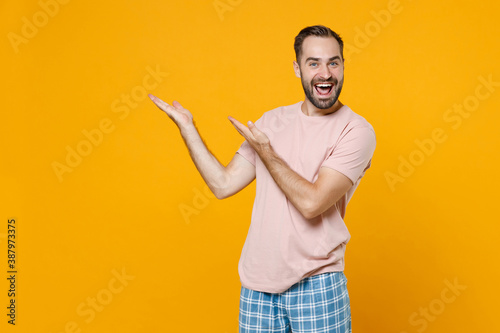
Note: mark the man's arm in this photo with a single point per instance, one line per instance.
(310, 199)
(222, 181)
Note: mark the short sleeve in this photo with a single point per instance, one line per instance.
(245, 149)
(352, 154)
(247, 152)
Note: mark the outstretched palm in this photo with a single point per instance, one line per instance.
(176, 112)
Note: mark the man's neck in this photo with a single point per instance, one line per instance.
(310, 110)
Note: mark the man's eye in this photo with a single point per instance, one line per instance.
(333, 64)
(313, 64)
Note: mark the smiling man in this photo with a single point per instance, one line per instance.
(308, 159)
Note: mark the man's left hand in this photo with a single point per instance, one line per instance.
(257, 139)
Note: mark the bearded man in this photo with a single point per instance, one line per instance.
(308, 159)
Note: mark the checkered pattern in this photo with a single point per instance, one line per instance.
(318, 304)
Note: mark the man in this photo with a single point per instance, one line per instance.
(308, 159)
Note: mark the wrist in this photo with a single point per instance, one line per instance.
(187, 129)
(265, 152)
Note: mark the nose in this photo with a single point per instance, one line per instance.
(324, 72)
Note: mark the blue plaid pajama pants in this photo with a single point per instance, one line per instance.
(317, 304)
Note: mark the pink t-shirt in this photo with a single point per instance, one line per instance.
(282, 247)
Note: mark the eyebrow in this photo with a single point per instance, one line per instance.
(318, 59)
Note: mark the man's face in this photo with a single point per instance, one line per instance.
(321, 70)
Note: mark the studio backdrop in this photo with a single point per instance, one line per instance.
(106, 225)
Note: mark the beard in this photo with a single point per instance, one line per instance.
(322, 103)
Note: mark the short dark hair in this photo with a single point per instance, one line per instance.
(319, 31)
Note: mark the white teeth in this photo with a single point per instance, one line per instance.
(324, 85)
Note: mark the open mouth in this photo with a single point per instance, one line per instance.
(323, 89)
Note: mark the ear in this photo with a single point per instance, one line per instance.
(296, 69)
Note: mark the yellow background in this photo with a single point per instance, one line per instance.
(120, 208)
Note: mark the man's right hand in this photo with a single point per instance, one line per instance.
(223, 181)
(181, 117)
